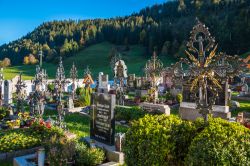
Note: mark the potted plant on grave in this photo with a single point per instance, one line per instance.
(60, 151)
(23, 117)
(88, 156)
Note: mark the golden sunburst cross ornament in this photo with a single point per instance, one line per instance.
(206, 69)
(205, 54)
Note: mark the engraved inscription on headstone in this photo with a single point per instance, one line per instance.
(102, 125)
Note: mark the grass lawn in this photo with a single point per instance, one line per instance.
(244, 107)
(96, 57)
(28, 71)
(79, 124)
(234, 93)
(245, 55)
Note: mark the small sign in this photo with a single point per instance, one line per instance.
(102, 124)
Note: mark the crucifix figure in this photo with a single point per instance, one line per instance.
(200, 40)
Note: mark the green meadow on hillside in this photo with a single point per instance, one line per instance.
(96, 57)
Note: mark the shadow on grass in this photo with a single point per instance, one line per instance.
(244, 107)
(78, 124)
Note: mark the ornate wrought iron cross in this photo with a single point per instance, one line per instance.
(60, 83)
(37, 97)
(20, 85)
(1, 82)
(73, 76)
(40, 77)
(153, 69)
(87, 71)
(113, 61)
(205, 68)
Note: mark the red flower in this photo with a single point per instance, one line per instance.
(48, 125)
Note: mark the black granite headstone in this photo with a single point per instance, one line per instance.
(102, 124)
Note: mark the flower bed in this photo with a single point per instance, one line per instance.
(17, 139)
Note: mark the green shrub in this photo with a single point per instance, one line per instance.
(79, 103)
(51, 87)
(144, 98)
(17, 139)
(85, 95)
(220, 143)
(78, 91)
(148, 141)
(88, 156)
(129, 113)
(182, 135)
(162, 140)
(4, 112)
(179, 98)
(169, 96)
(60, 150)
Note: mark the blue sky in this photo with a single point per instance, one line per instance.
(18, 17)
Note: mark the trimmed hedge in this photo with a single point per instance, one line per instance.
(148, 141)
(167, 140)
(220, 143)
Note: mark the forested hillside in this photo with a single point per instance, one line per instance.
(165, 27)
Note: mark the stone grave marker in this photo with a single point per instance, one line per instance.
(70, 103)
(104, 86)
(102, 125)
(244, 90)
(7, 92)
